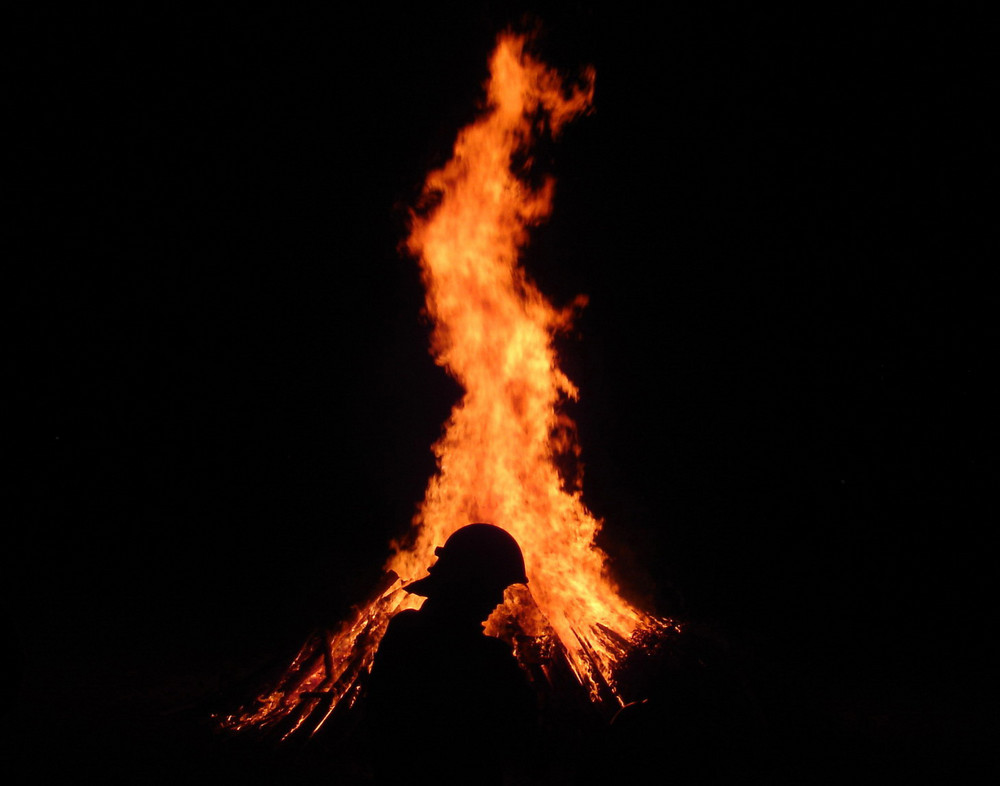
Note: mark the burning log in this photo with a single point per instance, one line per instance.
(500, 454)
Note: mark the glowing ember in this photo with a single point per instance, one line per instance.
(497, 459)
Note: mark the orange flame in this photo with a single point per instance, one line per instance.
(497, 459)
(493, 332)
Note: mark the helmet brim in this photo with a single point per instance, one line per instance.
(424, 587)
(431, 585)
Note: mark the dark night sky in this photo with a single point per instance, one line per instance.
(224, 404)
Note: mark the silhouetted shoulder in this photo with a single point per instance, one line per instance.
(403, 627)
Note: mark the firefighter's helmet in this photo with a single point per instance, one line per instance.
(477, 555)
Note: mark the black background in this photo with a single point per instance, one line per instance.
(223, 403)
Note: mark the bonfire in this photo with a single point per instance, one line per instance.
(504, 450)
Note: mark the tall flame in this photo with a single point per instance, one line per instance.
(497, 458)
(493, 331)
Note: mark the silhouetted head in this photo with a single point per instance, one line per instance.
(475, 564)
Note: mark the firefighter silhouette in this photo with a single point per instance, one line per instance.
(445, 700)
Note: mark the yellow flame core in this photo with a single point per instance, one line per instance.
(493, 331)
